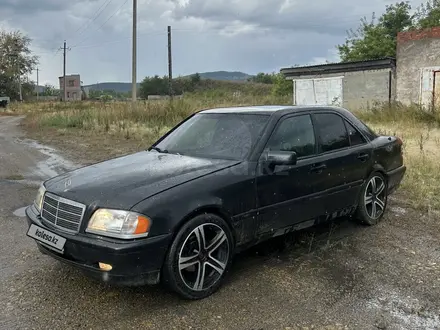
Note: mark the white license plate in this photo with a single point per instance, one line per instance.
(44, 236)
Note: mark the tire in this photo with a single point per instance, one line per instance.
(373, 201)
(195, 273)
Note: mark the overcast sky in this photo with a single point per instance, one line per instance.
(208, 35)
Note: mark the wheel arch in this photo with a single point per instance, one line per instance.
(377, 168)
(208, 209)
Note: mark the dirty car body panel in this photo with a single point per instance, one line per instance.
(235, 181)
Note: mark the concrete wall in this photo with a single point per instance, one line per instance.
(415, 50)
(361, 89)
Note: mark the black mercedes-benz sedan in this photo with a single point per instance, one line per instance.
(219, 182)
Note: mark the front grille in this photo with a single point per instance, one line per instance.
(62, 213)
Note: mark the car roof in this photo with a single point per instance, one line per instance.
(268, 109)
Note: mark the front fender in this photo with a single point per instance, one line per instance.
(230, 195)
(169, 211)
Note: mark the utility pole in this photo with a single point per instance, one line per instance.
(16, 62)
(134, 51)
(38, 85)
(19, 83)
(64, 49)
(170, 64)
(64, 72)
(19, 77)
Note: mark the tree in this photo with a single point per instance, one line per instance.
(154, 86)
(49, 90)
(16, 61)
(428, 15)
(28, 89)
(106, 94)
(263, 78)
(376, 39)
(396, 18)
(195, 79)
(282, 87)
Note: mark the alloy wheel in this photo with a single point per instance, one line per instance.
(375, 197)
(203, 257)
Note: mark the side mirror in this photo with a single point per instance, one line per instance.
(280, 158)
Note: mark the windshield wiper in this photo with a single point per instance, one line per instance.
(159, 150)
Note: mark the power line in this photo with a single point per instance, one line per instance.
(116, 12)
(118, 41)
(320, 24)
(195, 31)
(108, 19)
(94, 17)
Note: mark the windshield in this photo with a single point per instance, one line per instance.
(225, 136)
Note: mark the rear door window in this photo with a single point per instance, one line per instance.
(294, 134)
(331, 131)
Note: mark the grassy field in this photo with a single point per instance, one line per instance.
(420, 132)
(144, 122)
(118, 128)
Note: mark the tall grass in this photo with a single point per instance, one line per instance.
(420, 132)
(121, 118)
(398, 113)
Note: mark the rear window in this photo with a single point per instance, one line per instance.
(355, 136)
(361, 125)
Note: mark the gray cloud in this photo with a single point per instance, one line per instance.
(24, 7)
(321, 16)
(208, 35)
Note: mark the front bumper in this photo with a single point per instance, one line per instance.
(134, 262)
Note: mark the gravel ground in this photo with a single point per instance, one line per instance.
(336, 276)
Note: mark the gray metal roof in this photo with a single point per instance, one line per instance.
(375, 64)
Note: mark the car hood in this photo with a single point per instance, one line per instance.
(125, 181)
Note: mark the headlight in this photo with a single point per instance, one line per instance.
(38, 202)
(119, 224)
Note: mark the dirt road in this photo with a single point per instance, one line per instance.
(342, 276)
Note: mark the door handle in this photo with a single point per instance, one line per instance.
(363, 157)
(318, 168)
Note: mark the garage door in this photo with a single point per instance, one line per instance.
(319, 91)
(430, 81)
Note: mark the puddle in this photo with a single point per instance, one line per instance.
(30, 183)
(405, 310)
(21, 212)
(53, 165)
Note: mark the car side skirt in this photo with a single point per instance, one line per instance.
(348, 211)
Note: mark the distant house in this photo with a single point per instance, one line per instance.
(351, 85)
(73, 87)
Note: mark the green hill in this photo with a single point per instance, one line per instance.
(225, 75)
(121, 87)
